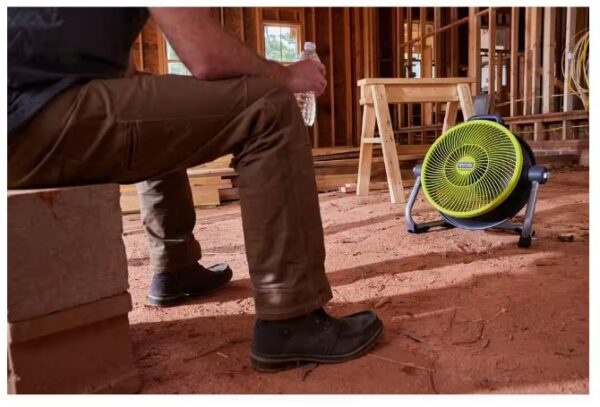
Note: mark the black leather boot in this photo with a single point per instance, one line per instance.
(313, 338)
(174, 287)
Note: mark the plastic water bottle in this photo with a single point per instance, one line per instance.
(306, 100)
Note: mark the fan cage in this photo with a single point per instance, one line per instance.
(472, 168)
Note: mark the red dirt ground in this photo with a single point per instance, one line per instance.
(464, 312)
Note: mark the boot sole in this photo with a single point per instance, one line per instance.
(272, 364)
(169, 301)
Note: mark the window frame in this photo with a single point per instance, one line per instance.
(297, 26)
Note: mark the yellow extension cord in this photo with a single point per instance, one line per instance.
(577, 77)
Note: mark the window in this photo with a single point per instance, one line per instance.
(174, 64)
(282, 42)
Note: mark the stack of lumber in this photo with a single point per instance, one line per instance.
(211, 184)
(338, 167)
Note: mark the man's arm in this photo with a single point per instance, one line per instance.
(209, 52)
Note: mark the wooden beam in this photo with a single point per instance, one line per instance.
(538, 131)
(373, 33)
(422, 22)
(331, 71)
(526, 73)
(243, 24)
(426, 68)
(454, 43)
(325, 115)
(549, 58)
(475, 49)
(437, 46)
(536, 53)
(514, 59)
(492, 57)
(357, 70)
(316, 128)
(367, 42)
(409, 72)
(425, 108)
(348, 85)
(399, 50)
(570, 24)
(260, 35)
(569, 43)
(437, 54)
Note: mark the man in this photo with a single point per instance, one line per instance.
(74, 119)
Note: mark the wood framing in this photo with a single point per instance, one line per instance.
(570, 23)
(475, 50)
(527, 63)
(454, 56)
(536, 52)
(549, 59)
(492, 57)
(514, 59)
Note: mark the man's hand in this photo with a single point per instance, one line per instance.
(306, 76)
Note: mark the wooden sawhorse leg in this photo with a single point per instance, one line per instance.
(379, 113)
(366, 151)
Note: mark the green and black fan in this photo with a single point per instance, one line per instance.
(479, 175)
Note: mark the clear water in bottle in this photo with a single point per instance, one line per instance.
(306, 100)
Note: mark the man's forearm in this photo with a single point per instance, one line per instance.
(208, 50)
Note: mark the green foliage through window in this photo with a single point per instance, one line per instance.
(281, 43)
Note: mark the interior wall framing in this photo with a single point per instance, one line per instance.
(519, 50)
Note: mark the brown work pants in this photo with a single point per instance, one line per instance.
(150, 129)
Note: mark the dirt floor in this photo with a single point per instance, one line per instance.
(464, 312)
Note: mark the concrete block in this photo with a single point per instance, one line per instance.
(71, 318)
(92, 358)
(64, 249)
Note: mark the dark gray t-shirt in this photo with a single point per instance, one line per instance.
(51, 49)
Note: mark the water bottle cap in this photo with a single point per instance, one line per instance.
(310, 46)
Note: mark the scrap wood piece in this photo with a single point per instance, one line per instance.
(430, 377)
(351, 187)
(406, 365)
(211, 172)
(502, 311)
(412, 336)
(214, 349)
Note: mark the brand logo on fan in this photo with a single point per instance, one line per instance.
(464, 166)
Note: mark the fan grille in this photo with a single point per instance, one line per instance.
(472, 168)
